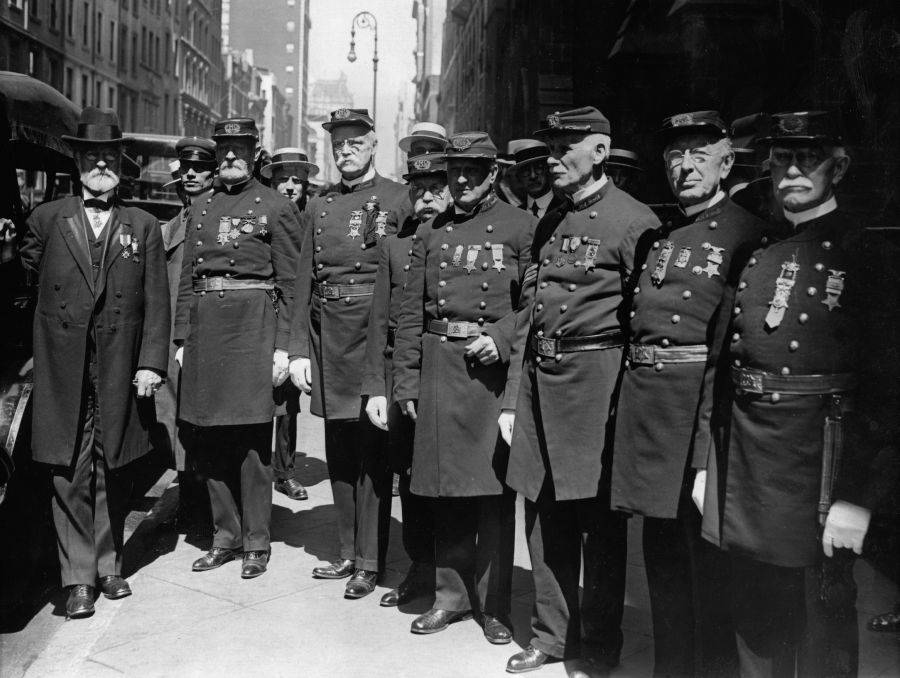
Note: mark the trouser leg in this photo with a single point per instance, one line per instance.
(495, 543)
(253, 453)
(286, 434)
(373, 498)
(554, 545)
(768, 613)
(221, 473)
(112, 493)
(343, 471)
(455, 526)
(418, 524)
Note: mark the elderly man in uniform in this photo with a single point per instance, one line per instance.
(102, 318)
(429, 196)
(456, 328)
(808, 449)
(232, 329)
(289, 174)
(533, 174)
(583, 256)
(196, 166)
(344, 230)
(690, 265)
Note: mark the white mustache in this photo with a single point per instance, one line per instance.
(794, 183)
(101, 181)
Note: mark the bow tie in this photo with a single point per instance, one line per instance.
(98, 204)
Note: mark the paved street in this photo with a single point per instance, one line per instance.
(180, 623)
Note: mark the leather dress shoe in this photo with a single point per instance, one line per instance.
(337, 569)
(437, 620)
(528, 659)
(361, 584)
(215, 557)
(255, 563)
(291, 488)
(496, 632)
(408, 591)
(114, 587)
(80, 602)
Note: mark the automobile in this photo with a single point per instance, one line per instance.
(145, 173)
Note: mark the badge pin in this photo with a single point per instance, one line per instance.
(834, 287)
(714, 259)
(224, 224)
(247, 228)
(355, 223)
(590, 255)
(563, 249)
(783, 286)
(497, 255)
(662, 263)
(684, 256)
(381, 224)
(472, 257)
(222, 238)
(234, 233)
(457, 255)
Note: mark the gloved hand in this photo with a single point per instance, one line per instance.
(301, 374)
(845, 527)
(279, 367)
(179, 356)
(699, 491)
(376, 408)
(506, 421)
(484, 349)
(147, 383)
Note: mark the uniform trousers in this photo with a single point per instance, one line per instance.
(688, 579)
(356, 454)
(560, 534)
(799, 619)
(474, 538)
(237, 466)
(90, 500)
(286, 431)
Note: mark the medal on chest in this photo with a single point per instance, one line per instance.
(224, 230)
(381, 224)
(356, 220)
(472, 257)
(684, 256)
(567, 249)
(457, 255)
(834, 286)
(783, 286)
(662, 263)
(497, 256)
(714, 258)
(125, 240)
(590, 254)
(263, 224)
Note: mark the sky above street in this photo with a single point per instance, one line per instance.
(329, 42)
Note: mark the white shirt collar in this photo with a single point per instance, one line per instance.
(590, 189)
(706, 204)
(795, 218)
(368, 176)
(542, 202)
(106, 197)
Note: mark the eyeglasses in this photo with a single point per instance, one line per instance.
(419, 190)
(354, 144)
(675, 158)
(806, 159)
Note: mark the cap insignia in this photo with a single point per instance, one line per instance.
(553, 121)
(341, 114)
(683, 119)
(232, 128)
(791, 124)
(461, 143)
(422, 164)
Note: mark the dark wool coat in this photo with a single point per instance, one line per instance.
(128, 308)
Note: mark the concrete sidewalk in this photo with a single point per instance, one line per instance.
(181, 623)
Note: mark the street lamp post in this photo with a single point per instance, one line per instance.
(366, 20)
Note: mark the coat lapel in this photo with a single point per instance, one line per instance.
(73, 229)
(113, 248)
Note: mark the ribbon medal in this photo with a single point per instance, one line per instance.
(497, 255)
(714, 259)
(472, 257)
(590, 254)
(833, 289)
(125, 242)
(355, 223)
(563, 248)
(684, 255)
(381, 224)
(662, 263)
(457, 255)
(263, 224)
(783, 286)
(248, 224)
(224, 229)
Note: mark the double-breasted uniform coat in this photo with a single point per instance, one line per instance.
(466, 268)
(689, 266)
(344, 231)
(102, 313)
(583, 259)
(817, 311)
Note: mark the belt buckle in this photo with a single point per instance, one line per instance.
(751, 382)
(643, 354)
(213, 284)
(457, 330)
(331, 292)
(546, 347)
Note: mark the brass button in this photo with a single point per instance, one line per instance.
(329, 199)
(257, 200)
(235, 245)
(449, 228)
(443, 247)
(481, 321)
(572, 287)
(557, 357)
(320, 266)
(658, 367)
(637, 290)
(803, 318)
(540, 333)
(537, 359)
(199, 260)
(558, 333)
(362, 246)
(199, 243)
(231, 262)
(751, 261)
(664, 343)
(441, 302)
(584, 239)
(249, 211)
(199, 226)
(346, 300)
(735, 337)
(552, 238)
(543, 284)
(563, 308)
(442, 283)
(742, 285)
(323, 215)
(482, 304)
(776, 397)
(676, 319)
(406, 267)
(203, 213)
(443, 265)
(737, 310)
(686, 294)
(221, 293)
(202, 293)
(409, 252)
(643, 267)
(487, 244)
(484, 285)
(631, 314)
(443, 339)
(826, 244)
(794, 345)
(357, 265)
(697, 270)
(352, 281)
(62, 304)
(539, 307)
(811, 291)
(737, 363)
(489, 228)
(592, 215)
(713, 225)
(484, 266)
(318, 248)
(785, 371)
(318, 231)
(820, 267)
(656, 244)
(764, 240)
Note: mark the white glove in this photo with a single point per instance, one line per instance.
(506, 421)
(484, 349)
(279, 367)
(179, 356)
(147, 383)
(301, 374)
(699, 491)
(845, 527)
(376, 408)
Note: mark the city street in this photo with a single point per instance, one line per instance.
(285, 623)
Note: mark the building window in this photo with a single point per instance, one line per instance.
(123, 46)
(86, 16)
(289, 68)
(168, 49)
(156, 55)
(98, 92)
(112, 40)
(134, 53)
(54, 14)
(288, 90)
(289, 48)
(143, 44)
(33, 9)
(70, 18)
(34, 60)
(84, 91)
(98, 29)
(70, 84)
(16, 3)
(111, 97)
(290, 26)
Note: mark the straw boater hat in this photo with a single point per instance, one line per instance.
(425, 132)
(290, 157)
(97, 126)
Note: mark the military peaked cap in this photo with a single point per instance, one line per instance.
(814, 126)
(235, 127)
(196, 149)
(424, 165)
(471, 145)
(586, 119)
(696, 121)
(349, 116)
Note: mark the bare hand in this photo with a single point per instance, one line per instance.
(301, 374)
(179, 356)
(506, 421)
(699, 491)
(845, 527)
(484, 349)
(147, 383)
(279, 367)
(376, 408)
(410, 410)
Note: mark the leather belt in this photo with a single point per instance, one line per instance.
(650, 354)
(549, 348)
(218, 283)
(756, 381)
(455, 329)
(326, 291)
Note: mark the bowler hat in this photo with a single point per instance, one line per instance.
(528, 151)
(349, 116)
(97, 126)
(695, 121)
(424, 165)
(235, 127)
(471, 145)
(290, 157)
(586, 119)
(424, 132)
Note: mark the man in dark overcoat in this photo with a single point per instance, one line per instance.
(344, 230)
(456, 329)
(558, 419)
(102, 319)
(289, 174)
(808, 442)
(689, 266)
(232, 328)
(429, 196)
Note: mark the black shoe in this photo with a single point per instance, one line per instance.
(215, 557)
(291, 488)
(337, 569)
(80, 602)
(528, 659)
(255, 563)
(603, 659)
(496, 632)
(409, 590)
(437, 620)
(114, 587)
(361, 584)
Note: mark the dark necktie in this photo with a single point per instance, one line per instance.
(96, 203)
(534, 208)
